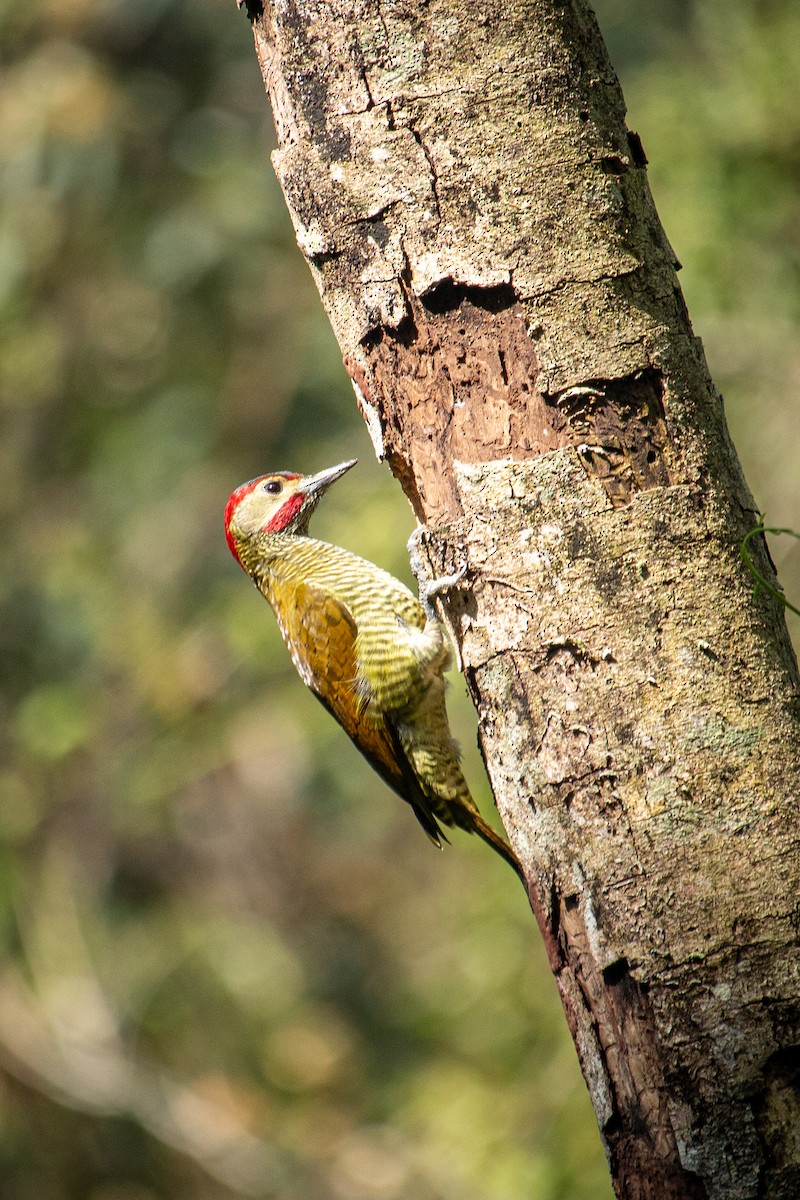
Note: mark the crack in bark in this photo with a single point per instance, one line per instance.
(417, 136)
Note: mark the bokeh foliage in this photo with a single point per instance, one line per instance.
(231, 965)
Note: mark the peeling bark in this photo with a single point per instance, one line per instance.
(478, 221)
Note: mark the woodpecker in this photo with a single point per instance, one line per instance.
(363, 643)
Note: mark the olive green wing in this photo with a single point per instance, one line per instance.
(321, 635)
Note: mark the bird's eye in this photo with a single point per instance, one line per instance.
(274, 486)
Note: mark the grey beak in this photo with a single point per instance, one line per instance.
(323, 479)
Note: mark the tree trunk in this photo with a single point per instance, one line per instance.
(478, 221)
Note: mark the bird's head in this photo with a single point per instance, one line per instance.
(279, 503)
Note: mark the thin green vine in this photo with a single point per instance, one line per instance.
(761, 582)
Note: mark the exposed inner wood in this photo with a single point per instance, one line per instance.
(459, 380)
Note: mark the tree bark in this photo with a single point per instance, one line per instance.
(478, 221)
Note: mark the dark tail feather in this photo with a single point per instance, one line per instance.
(464, 816)
(497, 843)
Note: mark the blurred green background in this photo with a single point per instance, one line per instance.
(231, 964)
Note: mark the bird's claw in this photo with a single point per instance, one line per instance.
(430, 588)
(434, 587)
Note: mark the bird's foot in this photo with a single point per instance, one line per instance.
(435, 587)
(421, 566)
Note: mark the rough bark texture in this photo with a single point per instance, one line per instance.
(478, 220)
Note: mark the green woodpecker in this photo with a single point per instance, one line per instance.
(362, 642)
